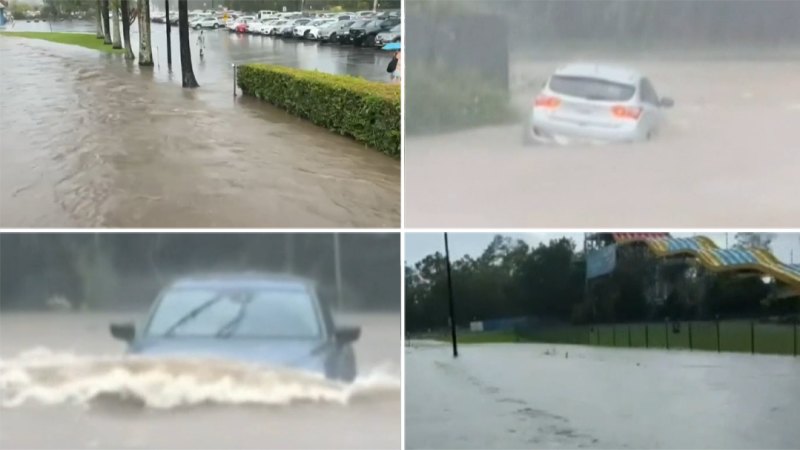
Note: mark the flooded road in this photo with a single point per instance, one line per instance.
(518, 396)
(92, 141)
(72, 378)
(727, 156)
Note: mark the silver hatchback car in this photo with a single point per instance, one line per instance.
(595, 102)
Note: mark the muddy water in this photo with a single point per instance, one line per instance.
(727, 156)
(546, 396)
(72, 378)
(89, 141)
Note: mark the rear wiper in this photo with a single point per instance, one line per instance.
(192, 314)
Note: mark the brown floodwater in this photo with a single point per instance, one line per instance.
(726, 157)
(89, 140)
(64, 384)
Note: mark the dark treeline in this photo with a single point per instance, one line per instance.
(512, 279)
(126, 270)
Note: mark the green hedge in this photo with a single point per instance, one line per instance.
(365, 110)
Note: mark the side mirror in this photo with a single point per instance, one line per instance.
(123, 331)
(346, 335)
(666, 102)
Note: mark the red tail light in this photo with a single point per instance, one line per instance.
(543, 101)
(626, 112)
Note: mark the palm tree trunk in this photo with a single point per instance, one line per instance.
(99, 17)
(145, 49)
(189, 81)
(126, 29)
(116, 40)
(106, 25)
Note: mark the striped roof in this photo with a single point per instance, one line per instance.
(718, 259)
(628, 237)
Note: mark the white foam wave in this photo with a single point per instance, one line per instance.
(51, 378)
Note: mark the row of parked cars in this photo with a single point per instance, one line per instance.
(344, 28)
(363, 28)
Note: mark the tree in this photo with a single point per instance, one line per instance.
(126, 29)
(116, 40)
(762, 241)
(189, 81)
(99, 17)
(145, 47)
(106, 25)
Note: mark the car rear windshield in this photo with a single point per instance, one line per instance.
(281, 313)
(591, 88)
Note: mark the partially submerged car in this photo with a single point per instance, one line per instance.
(274, 321)
(595, 102)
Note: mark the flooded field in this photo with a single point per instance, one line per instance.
(546, 396)
(91, 141)
(726, 156)
(73, 378)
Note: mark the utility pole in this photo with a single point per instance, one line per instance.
(450, 298)
(337, 265)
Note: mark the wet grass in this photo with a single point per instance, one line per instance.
(80, 39)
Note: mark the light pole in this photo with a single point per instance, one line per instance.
(450, 298)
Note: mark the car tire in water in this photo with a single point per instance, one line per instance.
(333, 38)
(370, 41)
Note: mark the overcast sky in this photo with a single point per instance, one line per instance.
(419, 245)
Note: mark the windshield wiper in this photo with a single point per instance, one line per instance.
(192, 314)
(228, 329)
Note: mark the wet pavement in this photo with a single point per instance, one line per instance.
(90, 140)
(726, 157)
(563, 396)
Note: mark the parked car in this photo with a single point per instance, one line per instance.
(234, 26)
(243, 24)
(288, 29)
(195, 18)
(345, 37)
(303, 31)
(595, 102)
(267, 320)
(330, 32)
(366, 14)
(366, 35)
(273, 28)
(207, 22)
(389, 14)
(258, 26)
(386, 37)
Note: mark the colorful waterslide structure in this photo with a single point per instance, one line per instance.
(716, 259)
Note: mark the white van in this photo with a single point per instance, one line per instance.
(267, 14)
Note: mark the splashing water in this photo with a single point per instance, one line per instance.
(51, 378)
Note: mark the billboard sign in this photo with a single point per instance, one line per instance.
(601, 262)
